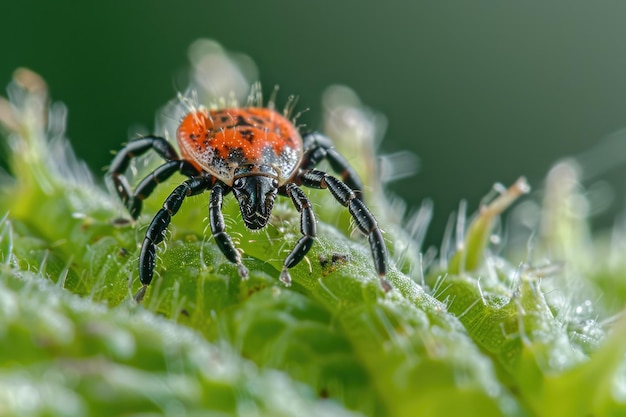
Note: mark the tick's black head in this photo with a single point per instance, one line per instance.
(255, 194)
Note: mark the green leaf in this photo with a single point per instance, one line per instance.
(473, 333)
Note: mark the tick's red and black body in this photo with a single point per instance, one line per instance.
(256, 153)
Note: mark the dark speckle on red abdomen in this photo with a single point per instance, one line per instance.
(247, 134)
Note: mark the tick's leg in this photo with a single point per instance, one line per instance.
(218, 228)
(156, 231)
(362, 216)
(122, 160)
(318, 147)
(134, 202)
(307, 228)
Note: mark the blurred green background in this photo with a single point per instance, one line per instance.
(481, 91)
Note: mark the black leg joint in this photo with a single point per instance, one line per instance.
(163, 147)
(175, 199)
(123, 188)
(198, 185)
(319, 179)
(218, 227)
(364, 219)
(314, 157)
(158, 226)
(339, 190)
(313, 179)
(162, 173)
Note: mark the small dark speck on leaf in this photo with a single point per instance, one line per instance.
(120, 222)
(330, 264)
(255, 289)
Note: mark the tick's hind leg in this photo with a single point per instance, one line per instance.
(157, 228)
(133, 200)
(318, 147)
(365, 221)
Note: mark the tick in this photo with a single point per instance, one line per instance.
(256, 153)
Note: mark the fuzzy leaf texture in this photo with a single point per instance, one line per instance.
(469, 332)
